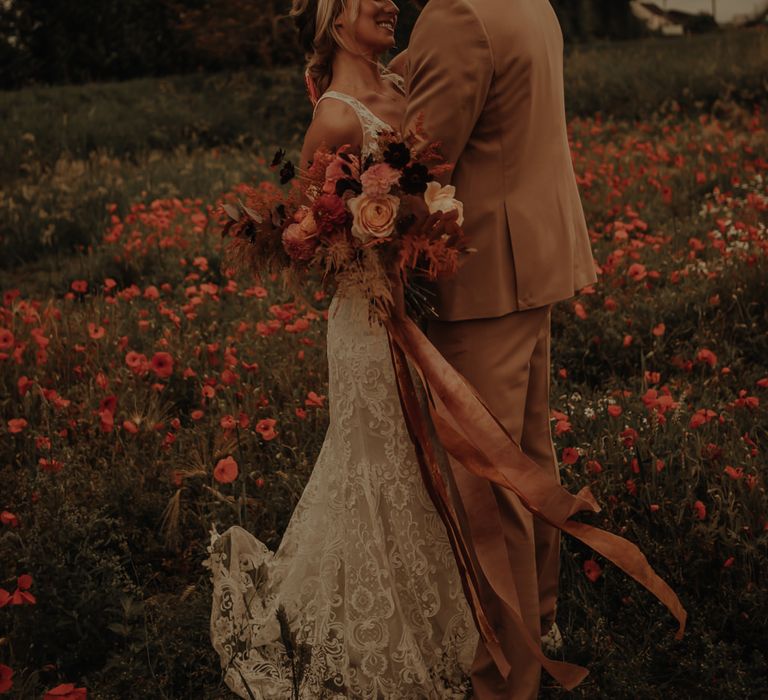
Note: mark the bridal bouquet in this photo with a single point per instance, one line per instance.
(361, 223)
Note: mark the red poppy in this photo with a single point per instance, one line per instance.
(314, 400)
(66, 691)
(8, 518)
(701, 510)
(80, 286)
(162, 364)
(6, 678)
(266, 428)
(130, 427)
(228, 422)
(592, 570)
(136, 361)
(7, 339)
(594, 466)
(735, 474)
(50, 465)
(614, 410)
(570, 455)
(707, 357)
(96, 332)
(17, 425)
(659, 330)
(628, 437)
(24, 384)
(5, 597)
(225, 471)
(208, 391)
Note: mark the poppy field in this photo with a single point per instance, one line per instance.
(147, 391)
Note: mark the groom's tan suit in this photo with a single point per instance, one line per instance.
(487, 77)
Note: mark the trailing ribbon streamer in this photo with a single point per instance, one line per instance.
(491, 453)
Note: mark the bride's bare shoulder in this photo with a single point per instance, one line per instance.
(335, 124)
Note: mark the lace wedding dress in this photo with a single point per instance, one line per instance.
(365, 573)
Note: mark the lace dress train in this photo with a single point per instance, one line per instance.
(365, 571)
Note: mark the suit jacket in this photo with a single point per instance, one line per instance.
(487, 76)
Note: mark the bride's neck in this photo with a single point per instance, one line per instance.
(356, 74)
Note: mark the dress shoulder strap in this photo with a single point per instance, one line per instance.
(371, 125)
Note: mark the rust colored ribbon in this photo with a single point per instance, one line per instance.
(487, 450)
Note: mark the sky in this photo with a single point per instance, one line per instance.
(726, 9)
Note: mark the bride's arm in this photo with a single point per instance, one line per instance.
(335, 124)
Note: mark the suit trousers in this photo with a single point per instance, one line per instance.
(507, 360)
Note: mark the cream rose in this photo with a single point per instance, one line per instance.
(439, 198)
(374, 217)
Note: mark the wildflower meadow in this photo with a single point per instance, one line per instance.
(147, 392)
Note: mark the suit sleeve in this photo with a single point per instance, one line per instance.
(450, 72)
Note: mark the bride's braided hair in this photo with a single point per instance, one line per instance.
(319, 37)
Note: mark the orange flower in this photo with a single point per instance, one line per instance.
(592, 570)
(266, 428)
(130, 427)
(16, 425)
(6, 677)
(225, 471)
(7, 339)
(162, 364)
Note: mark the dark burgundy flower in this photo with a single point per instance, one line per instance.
(414, 179)
(348, 183)
(398, 155)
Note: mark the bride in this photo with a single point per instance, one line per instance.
(365, 578)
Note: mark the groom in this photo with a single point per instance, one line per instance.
(487, 77)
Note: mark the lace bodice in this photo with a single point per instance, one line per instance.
(371, 125)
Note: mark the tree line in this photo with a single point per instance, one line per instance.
(49, 41)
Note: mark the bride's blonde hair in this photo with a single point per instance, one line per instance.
(316, 21)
